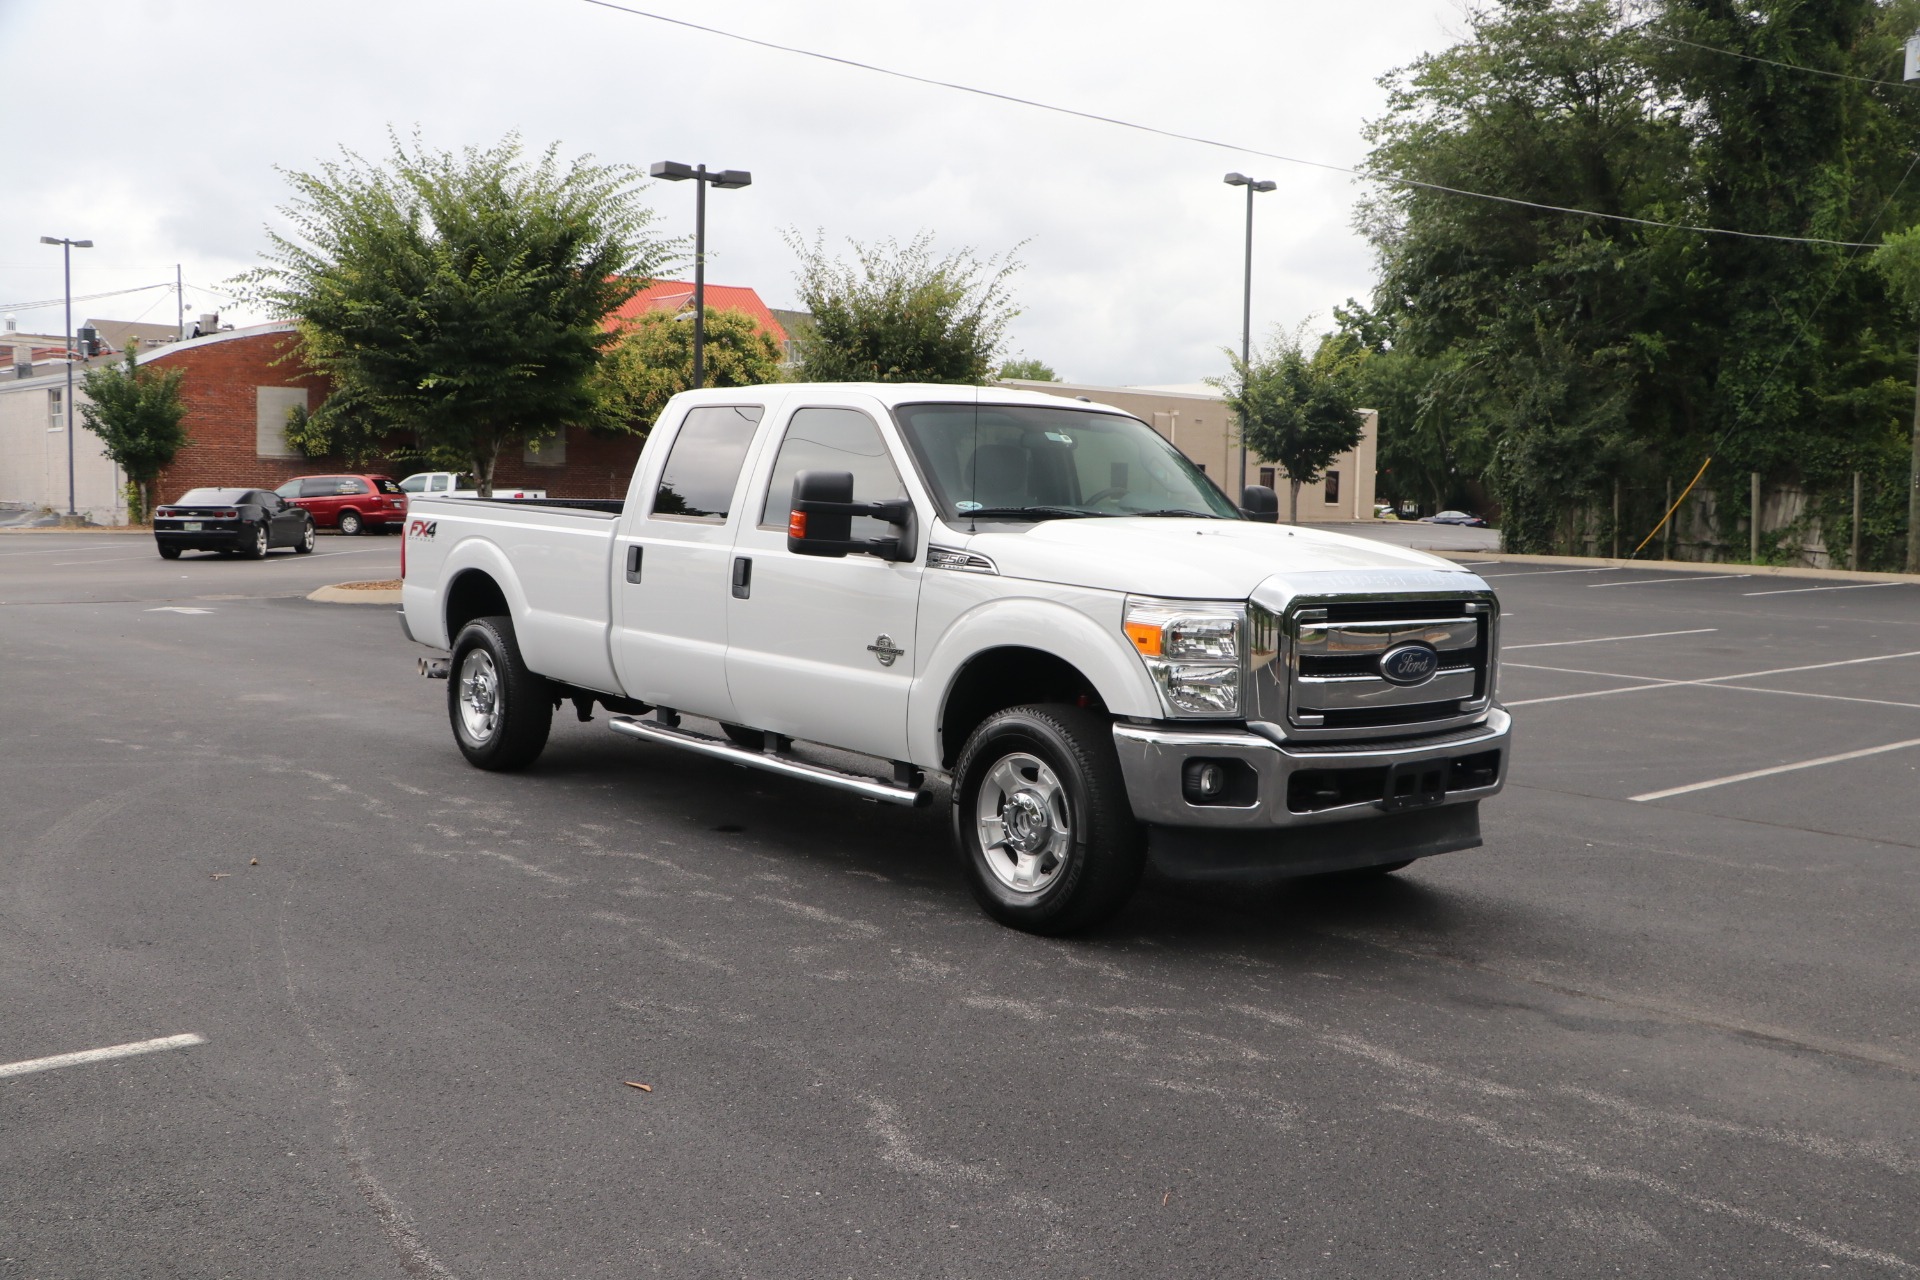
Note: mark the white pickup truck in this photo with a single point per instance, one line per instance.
(457, 484)
(1036, 599)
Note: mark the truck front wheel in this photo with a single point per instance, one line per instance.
(501, 712)
(1042, 822)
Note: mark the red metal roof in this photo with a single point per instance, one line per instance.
(673, 295)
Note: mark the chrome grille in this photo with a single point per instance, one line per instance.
(1322, 677)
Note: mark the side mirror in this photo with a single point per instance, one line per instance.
(820, 519)
(1261, 504)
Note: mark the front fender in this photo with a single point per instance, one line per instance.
(1080, 627)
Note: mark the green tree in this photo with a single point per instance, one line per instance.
(343, 427)
(1028, 370)
(461, 297)
(653, 362)
(898, 314)
(1295, 409)
(137, 413)
(1563, 355)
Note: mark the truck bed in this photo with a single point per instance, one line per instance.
(555, 556)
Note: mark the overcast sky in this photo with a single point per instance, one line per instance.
(154, 129)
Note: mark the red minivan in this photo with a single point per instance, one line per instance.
(351, 504)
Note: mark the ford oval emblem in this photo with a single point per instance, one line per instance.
(1409, 664)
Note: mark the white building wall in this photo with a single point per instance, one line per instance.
(33, 454)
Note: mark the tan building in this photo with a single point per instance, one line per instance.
(1198, 423)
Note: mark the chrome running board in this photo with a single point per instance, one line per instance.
(700, 744)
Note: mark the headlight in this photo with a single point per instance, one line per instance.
(1193, 651)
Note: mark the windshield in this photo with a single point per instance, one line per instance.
(1020, 462)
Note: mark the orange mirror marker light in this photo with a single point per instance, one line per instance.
(796, 524)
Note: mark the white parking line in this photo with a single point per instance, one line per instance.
(1852, 586)
(138, 1047)
(1779, 768)
(1685, 577)
(1653, 682)
(1644, 635)
(1534, 573)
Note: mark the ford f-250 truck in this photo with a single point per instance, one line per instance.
(1037, 599)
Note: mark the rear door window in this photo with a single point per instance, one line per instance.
(703, 467)
(320, 487)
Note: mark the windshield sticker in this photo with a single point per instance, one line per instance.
(964, 507)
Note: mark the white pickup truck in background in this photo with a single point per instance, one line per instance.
(1038, 600)
(455, 484)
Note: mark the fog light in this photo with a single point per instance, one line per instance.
(1202, 781)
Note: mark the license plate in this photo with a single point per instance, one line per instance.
(191, 526)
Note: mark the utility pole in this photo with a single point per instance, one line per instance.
(1853, 559)
(179, 306)
(1753, 524)
(67, 246)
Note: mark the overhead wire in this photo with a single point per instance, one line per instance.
(80, 297)
(1205, 141)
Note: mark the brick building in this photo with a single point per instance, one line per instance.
(241, 383)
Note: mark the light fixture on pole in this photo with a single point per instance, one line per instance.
(1246, 306)
(66, 254)
(726, 180)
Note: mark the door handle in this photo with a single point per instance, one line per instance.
(742, 577)
(633, 563)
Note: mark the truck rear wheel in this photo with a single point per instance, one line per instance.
(501, 712)
(1042, 822)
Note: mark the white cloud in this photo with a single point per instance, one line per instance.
(182, 108)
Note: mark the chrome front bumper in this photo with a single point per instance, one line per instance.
(1296, 784)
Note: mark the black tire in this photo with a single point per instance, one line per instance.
(305, 545)
(256, 548)
(503, 725)
(169, 553)
(351, 525)
(751, 739)
(1079, 878)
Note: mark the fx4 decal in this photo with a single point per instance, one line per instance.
(422, 528)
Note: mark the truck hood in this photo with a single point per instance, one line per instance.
(1184, 559)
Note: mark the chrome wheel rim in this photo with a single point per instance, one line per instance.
(306, 537)
(1024, 826)
(260, 541)
(479, 695)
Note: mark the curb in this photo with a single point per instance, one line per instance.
(341, 594)
(1680, 566)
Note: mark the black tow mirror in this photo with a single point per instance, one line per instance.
(1260, 503)
(820, 519)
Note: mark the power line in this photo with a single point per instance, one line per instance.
(1210, 142)
(78, 297)
(1774, 62)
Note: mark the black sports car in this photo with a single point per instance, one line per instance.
(244, 521)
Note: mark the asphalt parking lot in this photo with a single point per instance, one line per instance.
(1665, 1023)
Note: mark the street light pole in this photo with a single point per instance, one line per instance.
(726, 179)
(66, 255)
(1246, 307)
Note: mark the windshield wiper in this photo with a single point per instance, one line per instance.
(1031, 513)
(1173, 511)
